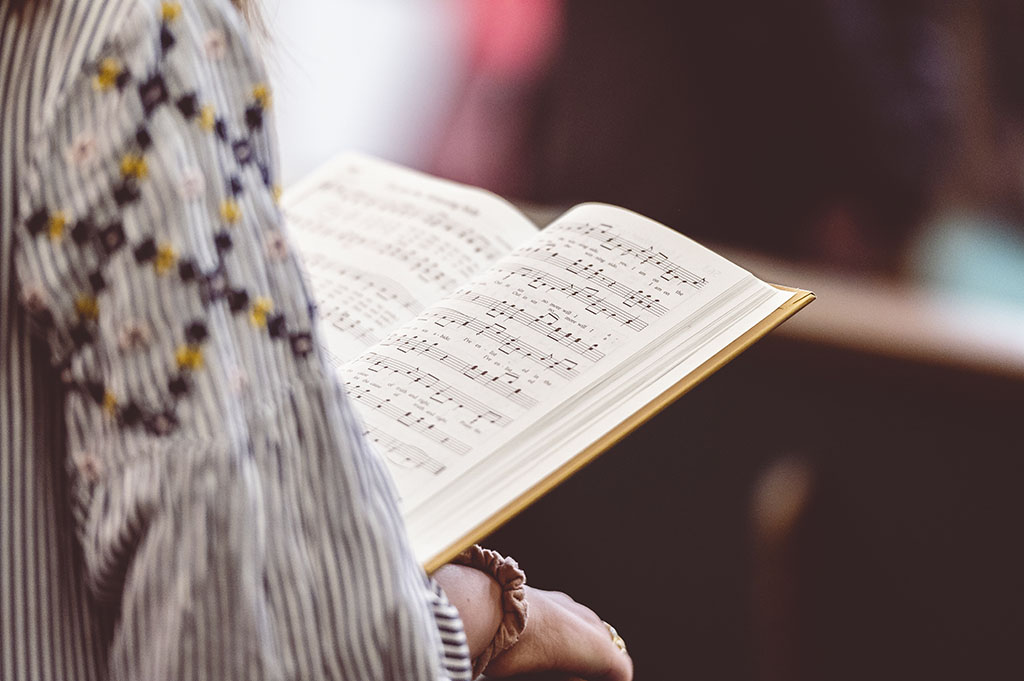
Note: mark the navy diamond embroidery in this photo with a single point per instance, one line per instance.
(143, 138)
(178, 385)
(145, 251)
(223, 241)
(254, 117)
(187, 270)
(112, 237)
(82, 231)
(188, 105)
(131, 414)
(276, 326)
(243, 151)
(196, 332)
(126, 193)
(167, 39)
(97, 282)
(37, 221)
(153, 93)
(302, 343)
(238, 300)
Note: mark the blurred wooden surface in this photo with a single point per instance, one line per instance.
(898, 319)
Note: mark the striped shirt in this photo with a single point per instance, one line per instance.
(185, 493)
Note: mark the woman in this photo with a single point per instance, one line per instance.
(231, 522)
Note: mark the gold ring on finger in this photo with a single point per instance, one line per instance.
(616, 639)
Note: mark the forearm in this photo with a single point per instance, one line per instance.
(478, 599)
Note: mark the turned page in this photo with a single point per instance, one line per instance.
(501, 356)
(380, 243)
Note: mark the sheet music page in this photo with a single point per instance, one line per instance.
(380, 243)
(503, 352)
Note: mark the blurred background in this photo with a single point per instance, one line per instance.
(844, 500)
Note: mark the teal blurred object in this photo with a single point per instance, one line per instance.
(972, 255)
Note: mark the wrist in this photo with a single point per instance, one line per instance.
(511, 583)
(477, 597)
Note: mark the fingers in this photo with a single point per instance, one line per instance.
(605, 652)
(608, 661)
(583, 612)
(565, 636)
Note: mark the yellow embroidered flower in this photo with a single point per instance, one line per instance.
(87, 306)
(110, 70)
(109, 402)
(165, 258)
(169, 11)
(275, 193)
(134, 166)
(261, 93)
(56, 225)
(189, 357)
(207, 118)
(261, 307)
(230, 211)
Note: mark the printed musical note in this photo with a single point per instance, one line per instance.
(414, 421)
(592, 272)
(402, 454)
(506, 342)
(382, 243)
(437, 390)
(547, 323)
(498, 383)
(373, 201)
(589, 295)
(353, 280)
(345, 321)
(644, 255)
(619, 250)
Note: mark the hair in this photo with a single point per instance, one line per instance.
(250, 9)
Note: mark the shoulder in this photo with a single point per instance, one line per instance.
(141, 57)
(60, 41)
(153, 188)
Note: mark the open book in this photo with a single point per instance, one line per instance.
(490, 359)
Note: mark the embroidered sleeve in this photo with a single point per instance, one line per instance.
(226, 501)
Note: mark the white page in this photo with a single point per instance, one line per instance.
(381, 242)
(512, 469)
(504, 352)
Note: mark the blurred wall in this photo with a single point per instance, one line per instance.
(372, 76)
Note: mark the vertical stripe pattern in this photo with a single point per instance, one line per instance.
(230, 521)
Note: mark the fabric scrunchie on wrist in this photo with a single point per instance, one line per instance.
(507, 574)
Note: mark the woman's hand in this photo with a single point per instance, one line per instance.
(560, 636)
